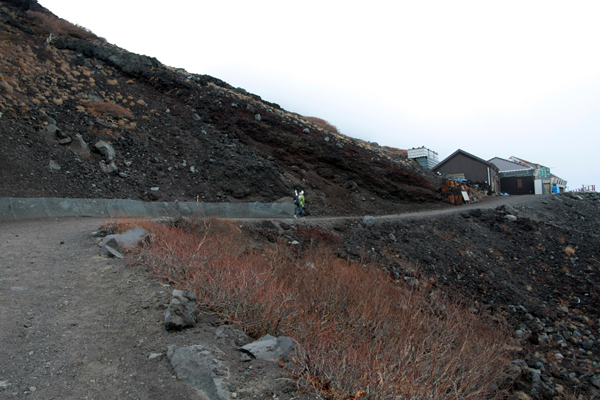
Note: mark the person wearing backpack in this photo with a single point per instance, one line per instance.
(300, 203)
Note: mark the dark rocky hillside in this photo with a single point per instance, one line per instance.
(175, 135)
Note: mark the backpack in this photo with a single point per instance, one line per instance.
(296, 201)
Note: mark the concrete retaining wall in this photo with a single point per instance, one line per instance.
(22, 208)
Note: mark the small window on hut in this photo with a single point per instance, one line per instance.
(520, 183)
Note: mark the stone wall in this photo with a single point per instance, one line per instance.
(12, 208)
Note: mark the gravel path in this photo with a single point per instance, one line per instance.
(76, 325)
(490, 202)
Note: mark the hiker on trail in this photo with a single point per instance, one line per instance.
(300, 205)
(296, 201)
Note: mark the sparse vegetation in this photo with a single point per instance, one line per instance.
(108, 108)
(57, 26)
(359, 333)
(321, 123)
(6, 84)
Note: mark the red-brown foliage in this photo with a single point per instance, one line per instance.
(358, 332)
(321, 123)
(50, 24)
(108, 108)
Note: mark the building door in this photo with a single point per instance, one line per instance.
(538, 186)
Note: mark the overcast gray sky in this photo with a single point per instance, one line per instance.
(496, 79)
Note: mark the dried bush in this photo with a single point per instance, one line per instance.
(321, 123)
(108, 108)
(49, 24)
(121, 223)
(6, 85)
(359, 333)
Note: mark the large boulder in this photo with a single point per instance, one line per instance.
(507, 209)
(107, 151)
(369, 220)
(80, 147)
(269, 348)
(51, 131)
(182, 311)
(113, 245)
(126, 239)
(200, 368)
(54, 165)
(109, 168)
(233, 335)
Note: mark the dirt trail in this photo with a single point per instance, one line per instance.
(75, 325)
(490, 202)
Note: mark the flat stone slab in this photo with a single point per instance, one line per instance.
(126, 239)
(269, 348)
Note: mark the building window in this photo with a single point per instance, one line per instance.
(520, 183)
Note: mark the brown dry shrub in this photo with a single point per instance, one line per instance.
(321, 123)
(108, 108)
(5, 85)
(122, 223)
(57, 26)
(358, 333)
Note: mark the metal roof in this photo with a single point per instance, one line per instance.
(507, 165)
(459, 151)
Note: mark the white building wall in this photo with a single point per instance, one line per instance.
(425, 157)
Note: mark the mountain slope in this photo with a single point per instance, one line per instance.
(188, 135)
